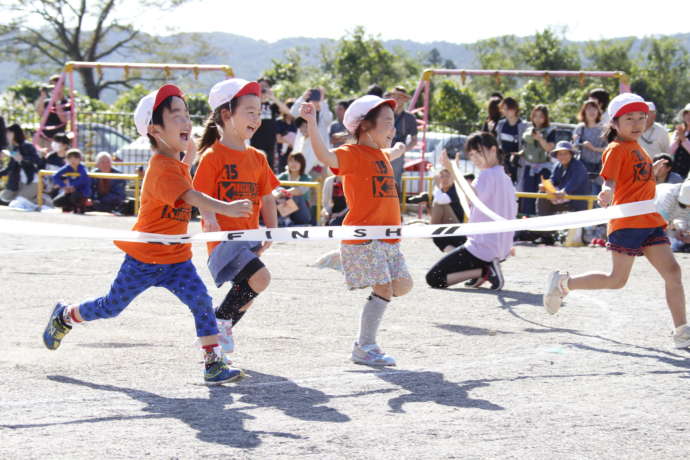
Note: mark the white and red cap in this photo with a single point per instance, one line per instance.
(149, 103)
(226, 90)
(359, 109)
(626, 103)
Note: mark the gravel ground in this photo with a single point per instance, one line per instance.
(480, 374)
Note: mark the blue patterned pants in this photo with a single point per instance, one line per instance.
(135, 277)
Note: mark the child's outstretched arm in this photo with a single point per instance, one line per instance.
(206, 204)
(325, 156)
(605, 197)
(396, 151)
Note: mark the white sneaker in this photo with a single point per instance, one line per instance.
(227, 344)
(371, 355)
(553, 294)
(682, 339)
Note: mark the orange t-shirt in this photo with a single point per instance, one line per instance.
(369, 186)
(630, 167)
(162, 211)
(229, 175)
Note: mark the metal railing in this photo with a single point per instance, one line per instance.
(590, 199)
(319, 194)
(134, 177)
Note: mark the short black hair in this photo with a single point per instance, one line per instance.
(299, 121)
(663, 156)
(76, 153)
(18, 132)
(157, 116)
(62, 138)
(344, 103)
(375, 90)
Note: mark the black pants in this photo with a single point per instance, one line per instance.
(459, 260)
(73, 201)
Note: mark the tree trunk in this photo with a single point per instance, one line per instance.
(89, 81)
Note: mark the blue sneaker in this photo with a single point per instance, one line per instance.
(217, 372)
(56, 329)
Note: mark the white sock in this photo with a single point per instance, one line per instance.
(680, 328)
(372, 313)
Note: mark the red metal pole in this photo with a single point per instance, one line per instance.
(73, 112)
(427, 90)
(46, 110)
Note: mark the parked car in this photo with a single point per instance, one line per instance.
(97, 137)
(139, 150)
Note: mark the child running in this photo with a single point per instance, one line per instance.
(372, 198)
(229, 170)
(628, 177)
(479, 259)
(166, 207)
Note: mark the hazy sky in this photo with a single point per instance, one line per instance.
(450, 20)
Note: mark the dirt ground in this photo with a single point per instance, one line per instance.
(480, 374)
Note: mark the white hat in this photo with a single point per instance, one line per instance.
(626, 103)
(359, 109)
(146, 106)
(684, 195)
(652, 107)
(226, 90)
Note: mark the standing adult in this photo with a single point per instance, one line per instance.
(680, 145)
(405, 130)
(589, 141)
(337, 131)
(655, 138)
(265, 138)
(58, 113)
(324, 117)
(602, 97)
(494, 114)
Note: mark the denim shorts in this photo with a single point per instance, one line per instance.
(632, 241)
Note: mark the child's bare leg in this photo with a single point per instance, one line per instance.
(620, 271)
(458, 277)
(661, 257)
(401, 286)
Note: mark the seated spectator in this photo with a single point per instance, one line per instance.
(663, 164)
(570, 178)
(107, 195)
(537, 142)
(673, 203)
(680, 144)
(74, 184)
(22, 169)
(301, 196)
(445, 207)
(655, 138)
(589, 141)
(334, 204)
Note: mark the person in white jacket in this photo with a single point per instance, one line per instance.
(324, 116)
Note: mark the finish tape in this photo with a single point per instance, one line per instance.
(558, 221)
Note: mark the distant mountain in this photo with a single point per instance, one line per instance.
(249, 57)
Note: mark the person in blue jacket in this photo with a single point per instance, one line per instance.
(74, 183)
(570, 178)
(107, 195)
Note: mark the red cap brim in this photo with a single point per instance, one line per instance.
(250, 88)
(165, 92)
(632, 107)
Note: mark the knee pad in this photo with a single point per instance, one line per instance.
(240, 294)
(436, 278)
